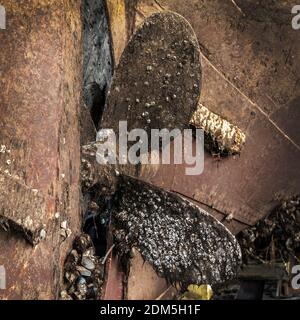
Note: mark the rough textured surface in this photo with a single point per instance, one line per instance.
(41, 84)
(275, 238)
(87, 127)
(250, 67)
(222, 136)
(255, 48)
(98, 61)
(163, 86)
(84, 272)
(22, 209)
(92, 173)
(181, 241)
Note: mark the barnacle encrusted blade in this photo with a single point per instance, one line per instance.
(181, 241)
(226, 137)
(158, 81)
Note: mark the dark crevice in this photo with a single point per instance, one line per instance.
(84, 270)
(97, 57)
(97, 74)
(96, 220)
(98, 97)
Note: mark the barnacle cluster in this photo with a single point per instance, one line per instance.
(182, 243)
(275, 238)
(223, 136)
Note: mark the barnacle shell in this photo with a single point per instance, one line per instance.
(227, 137)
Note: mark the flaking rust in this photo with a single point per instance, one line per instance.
(223, 136)
(22, 209)
(182, 242)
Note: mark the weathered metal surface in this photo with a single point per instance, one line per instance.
(22, 209)
(87, 127)
(113, 286)
(39, 105)
(263, 272)
(250, 66)
(143, 283)
(116, 10)
(157, 82)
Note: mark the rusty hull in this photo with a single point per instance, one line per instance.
(40, 67)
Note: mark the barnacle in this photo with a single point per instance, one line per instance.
(183, 243)
(83, 272)
(276, 237)
(225, 137)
